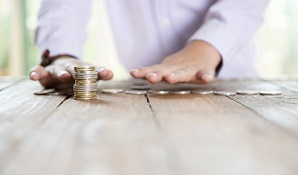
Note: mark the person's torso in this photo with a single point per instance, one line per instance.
(147, 31)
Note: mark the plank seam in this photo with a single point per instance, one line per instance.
(282, 86)
(12, 84)
(264, 118)
(173, 158)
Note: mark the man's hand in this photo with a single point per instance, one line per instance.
(60, 73)
(196, 63)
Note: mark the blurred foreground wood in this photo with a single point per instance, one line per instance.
(150, 134)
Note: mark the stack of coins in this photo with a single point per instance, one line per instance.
(85, 86)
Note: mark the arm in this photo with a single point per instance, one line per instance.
(61, 30)
(62, 26)
(229, 24)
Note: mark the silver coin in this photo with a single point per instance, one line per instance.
(180, 92)
(135, 92)
(141, 87)
(45, 92)
(270, 92)
(247, 92)
(57, 93)
(112, 91)
(159, 92)
(85, 73)
(226, 93)
(202, 92)
(83, 77)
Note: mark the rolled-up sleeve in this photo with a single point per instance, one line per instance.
(62, 26)
(230, 24)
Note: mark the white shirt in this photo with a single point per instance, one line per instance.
(146, 31)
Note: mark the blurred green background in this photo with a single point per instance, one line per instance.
(277, 39)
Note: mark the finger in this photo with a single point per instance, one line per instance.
(109, 76)
(70, 68)
(206, 76)
(180, 76)
(104, 74)
(38, 72)
(142, 72)
(60, 73)
(154, 77)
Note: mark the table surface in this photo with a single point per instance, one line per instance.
(150, 134)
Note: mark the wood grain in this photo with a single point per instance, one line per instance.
(282, 110)
(114, 134)
(215, 135)
(152, 134)
(288, 84)
(7, 81)
(20, 112)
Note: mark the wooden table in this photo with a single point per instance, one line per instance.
(150, 134)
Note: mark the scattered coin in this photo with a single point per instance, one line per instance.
(140, 87)
(247, 92)
(226, 93)
(136, 92)
(57, 93)
(159, 92)
(270, 92)
(180, 92)
(202, 92)
(45, 92)
(112, 91)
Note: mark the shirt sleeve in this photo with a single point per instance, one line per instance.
(62, 26)
(230, 24)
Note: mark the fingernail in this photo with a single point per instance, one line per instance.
(172, 74)
(100, 69)
(134, 70)
(207, 77)
(33, 74)
(152, 74)
(61, 73)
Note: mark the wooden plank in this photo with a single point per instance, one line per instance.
(215, 135)
(20, 112)
(281, 110)
(288, 84)
(7, 81)
(114, 134)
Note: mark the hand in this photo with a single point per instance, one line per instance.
(60, 73)
(196, 63)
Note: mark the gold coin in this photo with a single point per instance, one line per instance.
(84, 68)
(84, 98)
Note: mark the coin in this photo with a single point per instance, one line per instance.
(85, 77)
(227, 93)
(84, 97)
(140, 87)
(270, 92)
(57, 93)
(201, 92)
(84, 68)
(45, 92)
(159, 92)
(247, 92)
(112, 91)
(92, 81)
(86, 72)
(135, 92)
(85, 86)
(180, 92)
